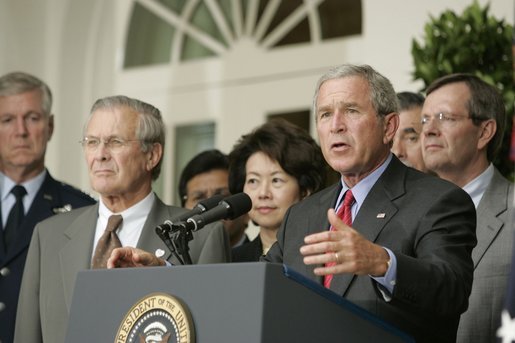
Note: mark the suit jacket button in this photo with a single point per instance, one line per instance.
(4, 271)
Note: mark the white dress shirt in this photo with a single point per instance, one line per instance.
(132, 225)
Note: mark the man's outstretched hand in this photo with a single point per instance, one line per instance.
(129, 257)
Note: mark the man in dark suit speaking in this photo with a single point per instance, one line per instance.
(123, 145)
(405, 252)
(26, 126)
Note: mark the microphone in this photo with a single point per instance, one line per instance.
(201, 207)
(229, 208)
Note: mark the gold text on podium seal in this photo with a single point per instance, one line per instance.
(158, 317)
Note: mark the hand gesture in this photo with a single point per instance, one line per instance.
(351, 252)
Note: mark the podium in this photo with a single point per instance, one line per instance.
(239, 302)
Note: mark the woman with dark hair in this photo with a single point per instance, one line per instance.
(277, 165)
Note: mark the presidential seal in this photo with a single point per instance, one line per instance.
(157, 318)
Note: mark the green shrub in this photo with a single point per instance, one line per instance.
(475, 43)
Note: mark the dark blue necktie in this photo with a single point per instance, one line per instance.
(15, 216)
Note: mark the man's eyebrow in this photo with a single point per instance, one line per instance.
(324, 108)
(409, 130)
(339, 105)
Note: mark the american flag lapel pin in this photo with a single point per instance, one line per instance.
(381, 215)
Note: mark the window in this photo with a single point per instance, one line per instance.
(173, 31)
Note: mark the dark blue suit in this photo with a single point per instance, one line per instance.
(51, 198)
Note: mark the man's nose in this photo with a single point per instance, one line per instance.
(398, 148)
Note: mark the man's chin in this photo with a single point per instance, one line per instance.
(24, 161)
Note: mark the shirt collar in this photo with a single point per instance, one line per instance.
(361, 189)
(477, 187)
(32, 186)
(140, 209)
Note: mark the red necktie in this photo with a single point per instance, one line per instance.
(345, 214)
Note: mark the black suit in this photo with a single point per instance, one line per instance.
(428, 223)
(248, 252)
(52, 196)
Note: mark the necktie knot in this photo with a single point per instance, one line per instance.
(107, 243)
(345, 208)
(19, 192)
(114, 222)
(348, 199)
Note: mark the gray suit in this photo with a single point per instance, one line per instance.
(427, 222)
(492, 260)
(62, 245)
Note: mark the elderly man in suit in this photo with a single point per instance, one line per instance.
(123, 145)
(463, 124)
(403, 248)
(26, 126)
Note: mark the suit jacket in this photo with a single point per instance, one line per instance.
(492, 261)
(50, 198)
(248, 252)
(429, 225)
(62, 246)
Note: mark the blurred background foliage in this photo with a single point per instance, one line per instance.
(472, 42)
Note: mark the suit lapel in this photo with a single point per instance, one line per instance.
(375, 212)
(75, 255)
(317, 221)
(489, 209)
(149, 240)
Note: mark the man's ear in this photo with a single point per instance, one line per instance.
(488, 128)
(154, 156)
(391, 123)
(50, 126)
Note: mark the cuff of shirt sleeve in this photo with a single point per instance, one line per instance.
(388, 280)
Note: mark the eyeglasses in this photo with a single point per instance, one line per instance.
(443, 119)
(113, 144)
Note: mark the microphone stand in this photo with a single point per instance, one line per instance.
(176, 239)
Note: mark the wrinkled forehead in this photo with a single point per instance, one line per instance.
(450, 98)
(112, 122)
(342, 93)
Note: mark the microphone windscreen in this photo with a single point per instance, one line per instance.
(239, 204)
(209, 203)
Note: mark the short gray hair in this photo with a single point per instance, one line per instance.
(18, 82)
(150, 129)
(382, 95)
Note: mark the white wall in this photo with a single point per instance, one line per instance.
(76, 46)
